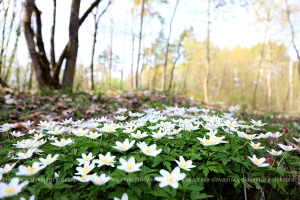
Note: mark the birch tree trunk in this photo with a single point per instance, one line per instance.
(207, 69)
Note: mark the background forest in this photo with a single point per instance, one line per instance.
(235, 51)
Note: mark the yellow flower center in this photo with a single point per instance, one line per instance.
(99, 179)
(124, 146)
(85, 176)
(138, 134)
(109, 163)
(62, 143)
(184, 165)
(289, 147)
(207, 141)
(104, 160)
(130, 167)
(257, 161)
(93, 136)
(85, 170)
(30, 131)
(175, 131)
(27, 143)
(230, 124)
(9, 189)
(56, 131)
(216, 138)
(31, 170)
(187, 129)
(44, 124)
(274, 151)
(276, 134)
(170, 178)
(110, 128)
(148, 150)
(49, 160)
(258, 122)
(157, 134)
(248, 135)
(86, 159)
(256, 145)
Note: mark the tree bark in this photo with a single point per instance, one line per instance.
(73, 46)
(269, 75)
(42, 78)
(150, 49)
(52, 47)
(139, 49)
(164, 77)
(110, 54)
(206, 77)
(3, 39)
(132, 52)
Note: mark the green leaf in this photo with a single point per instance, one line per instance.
(168, 165)
(156, 161)
(61, 185)
(160, 193)
(68, 165)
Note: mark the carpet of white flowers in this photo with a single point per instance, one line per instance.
(175, 153)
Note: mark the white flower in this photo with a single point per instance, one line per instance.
(93, 135)
(25, 143)
(129, 166)
(17, 134)
(79, 132)
(56, 175)
(258, 162)
(297, 140)
(276, 135)
(38, 136)
(85, 158)
(32, 197)
(170, 178)
(104, 160)
(107, 128)
(158, 135)
(52, 138)
(31, 131)
(28, 171)
(83, 178)
(26, 155)
(139, 135)
(121, 110)
(49, 159)
(129, 129)
(124, 197)
(7, 168)
(211, 141)
(62, 142)
(275, 153)
(265, 135)
(124, 146)
(186, 165)
(120, 118)
(151, 150)
(100, 180)
(85, 169)
(287, 148)
(57, 131)
(234, 108)
(26, 123)
(257, 123)
(11, 189)
(256, 146)
(66, 121)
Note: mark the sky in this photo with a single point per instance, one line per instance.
(231, 26)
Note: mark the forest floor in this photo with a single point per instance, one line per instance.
(18, 107)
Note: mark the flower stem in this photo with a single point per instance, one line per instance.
(240, 147)
(281, 160)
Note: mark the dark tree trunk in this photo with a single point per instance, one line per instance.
(72, 49)
(52, 48)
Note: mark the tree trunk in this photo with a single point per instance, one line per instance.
(206, 77)
(73, 45)
(110, 54)
(3, 39)
(42, 78)
(139, 49)
(52, 47)
(269, 75)
(150, 49)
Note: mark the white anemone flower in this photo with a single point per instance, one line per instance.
(11, 189)
(120, 117)
(94, 135)
(276, 135)
(62, 142)
(130, 165)
(186, 165)
(17, 134)
(52, 138)
(139, 135)
(124, 197)
(25, 143)
(256, 146)
(258, 162)
(26, 155)
(287, 148)
(49, 160)
(28, 171)
(151, 150)
(83, 178)
(297, 140)
(107, 128)
(85, 158)
(158, 135)
(257, 123)
(79, 132)
(7, 168)
(85, 169)
(124, 146)
(170, 178)
(275, 153)
(100, 180)
(57, 131)
(104, 160)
